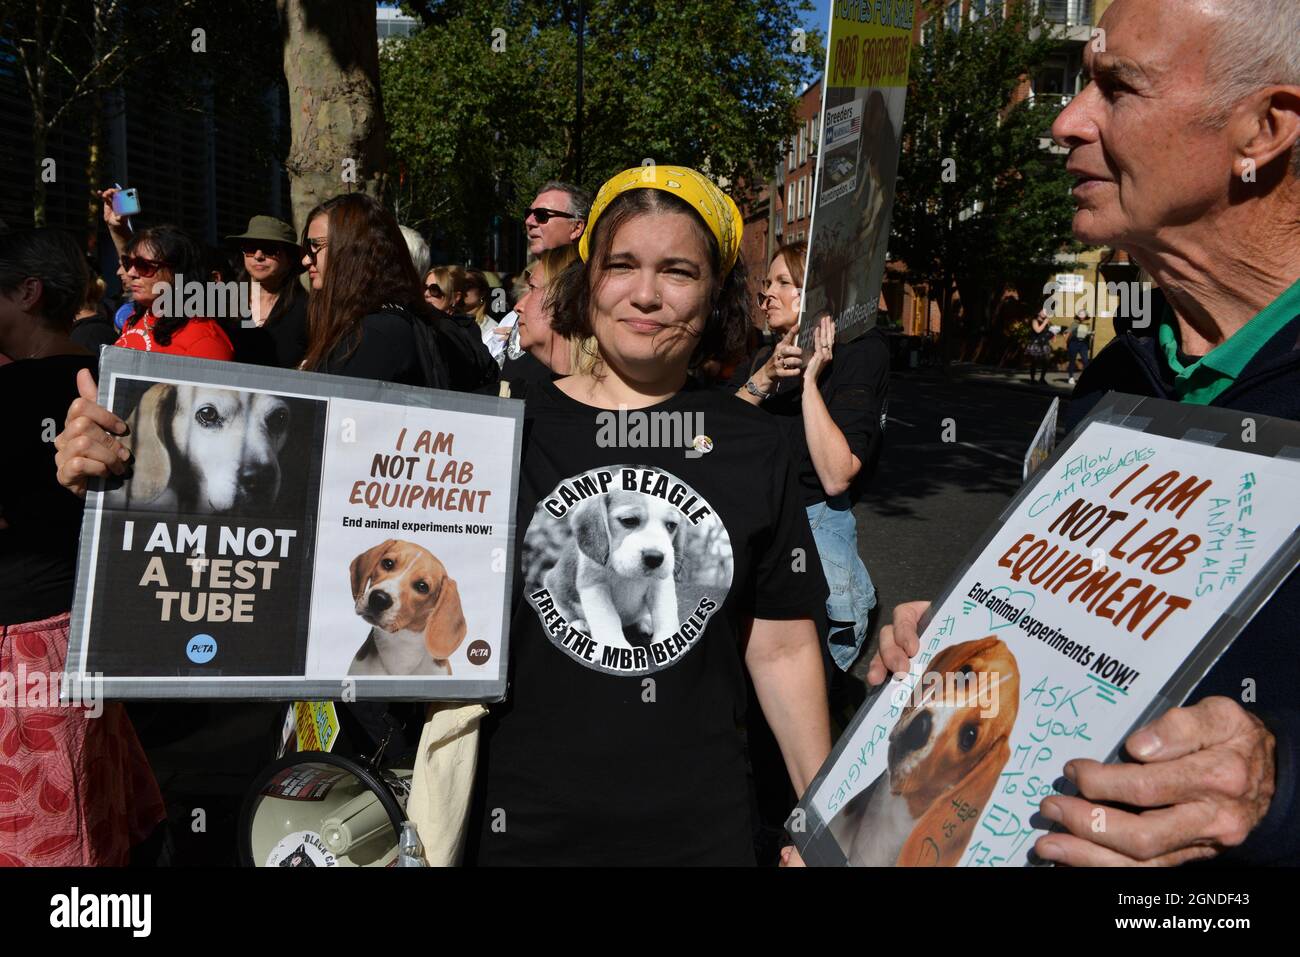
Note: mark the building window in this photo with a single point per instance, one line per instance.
(802, 182)
(1073, 13)
(803, 145)
(952, 15)
(789, 158)
(813, 123)
(789, 201)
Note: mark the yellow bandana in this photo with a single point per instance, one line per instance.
(714, 206)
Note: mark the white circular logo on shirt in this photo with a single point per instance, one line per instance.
(625, 566)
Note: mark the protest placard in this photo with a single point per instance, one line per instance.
(863, 91)
(1099, 599)
(290, 535)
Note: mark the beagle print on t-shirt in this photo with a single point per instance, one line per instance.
(625, 566)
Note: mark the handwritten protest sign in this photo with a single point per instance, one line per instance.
(291, 535)
(864, 88)
(1100, 598)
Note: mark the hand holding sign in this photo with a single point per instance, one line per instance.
(85, 448)
(1207, 774)
(898, 642)
(823, 343)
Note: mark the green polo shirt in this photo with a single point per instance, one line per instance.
(1205, 379)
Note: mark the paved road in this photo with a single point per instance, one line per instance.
(931, 499)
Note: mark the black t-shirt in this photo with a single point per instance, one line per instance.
(854, 389)
(524, 373)
(384, 350)
(620, 742)
(38, 548)
(281, 341)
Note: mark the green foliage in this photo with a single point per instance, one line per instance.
(474, 130)
(1004, 209)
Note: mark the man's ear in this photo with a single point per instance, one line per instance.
(590, 522)
(150, 439)
(446, 626)
(362, 565)
(1269, 128)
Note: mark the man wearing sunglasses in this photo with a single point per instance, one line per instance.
(557, 217)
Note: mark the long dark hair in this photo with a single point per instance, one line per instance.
(725, 330)
(368, 267)
(184, 257)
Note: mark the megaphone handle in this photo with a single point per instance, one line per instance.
(393, 724)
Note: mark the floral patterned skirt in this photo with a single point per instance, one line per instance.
(75, 789)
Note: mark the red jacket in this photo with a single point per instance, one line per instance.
(200, 338)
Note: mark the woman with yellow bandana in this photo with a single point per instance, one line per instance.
(663, 548)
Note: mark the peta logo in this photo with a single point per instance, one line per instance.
(201, 649)
(103, 910)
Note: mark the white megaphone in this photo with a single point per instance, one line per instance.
(316, 809)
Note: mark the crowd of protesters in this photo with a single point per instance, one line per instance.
(637, 298)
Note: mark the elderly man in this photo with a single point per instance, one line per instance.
(557, 217)
(1185, 148)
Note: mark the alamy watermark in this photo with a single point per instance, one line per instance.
(52, 689)
(642, 429)
(1121, 300)
(209, 300)
(953, 689)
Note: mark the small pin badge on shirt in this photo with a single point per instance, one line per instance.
(700, 445)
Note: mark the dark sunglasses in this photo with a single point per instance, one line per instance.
(434, 290)
(544, 215)
(145, 268)
(313, 247)
(270, 249)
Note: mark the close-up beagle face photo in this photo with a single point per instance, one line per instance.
(208, 450)
(396, 585)
(956, 725)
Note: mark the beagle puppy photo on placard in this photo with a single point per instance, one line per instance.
(413, 608)
(946, 754)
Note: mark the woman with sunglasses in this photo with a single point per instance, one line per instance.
(444, 288)
(148, 261)
(365, 293)
(652, 574)
(154, 259)
(271, 257)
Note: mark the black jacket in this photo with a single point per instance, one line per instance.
(94, 331)
(1267, 651)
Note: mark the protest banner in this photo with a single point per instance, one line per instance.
(863, 91)
(1099, 599)
(290, 535)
